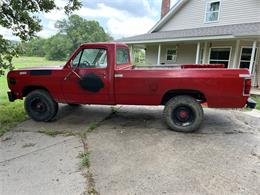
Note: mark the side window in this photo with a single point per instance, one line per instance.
(91, 58)
(122, 56)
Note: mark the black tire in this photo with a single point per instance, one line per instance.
(183, 114)
(40, 106)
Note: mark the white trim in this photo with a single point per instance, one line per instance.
(131, 53)
(246, 76)
(205, 52)
(205, 13)
(253, 57)
(221, 47)
(198, 54)
(235, 59)
(182, 39)
(172, 11)
(159, 54)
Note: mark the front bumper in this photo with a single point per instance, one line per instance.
(251, 103)
(11, 96)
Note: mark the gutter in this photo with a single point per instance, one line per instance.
(182, 39)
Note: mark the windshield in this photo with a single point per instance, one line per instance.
(91, 58)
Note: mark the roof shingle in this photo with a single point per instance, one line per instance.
(248, 29)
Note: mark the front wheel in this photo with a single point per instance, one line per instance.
(183, 114)
(40, 106)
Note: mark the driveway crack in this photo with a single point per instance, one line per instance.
(35, 151)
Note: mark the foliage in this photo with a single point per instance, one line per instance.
(257, 99)
(57, 47)
(32, 48)
(139, 56)
(84, 162)
(72, 33)
(21, 17)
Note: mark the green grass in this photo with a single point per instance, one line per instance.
(84, 162)
(13, 113)
(257, 99)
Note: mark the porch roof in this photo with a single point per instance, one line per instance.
(216, 32)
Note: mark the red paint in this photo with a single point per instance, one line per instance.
(222, 88)
(184, 114)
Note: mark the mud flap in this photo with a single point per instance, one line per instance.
(91, 82)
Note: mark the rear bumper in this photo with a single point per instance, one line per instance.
(251, 103)
(11, 96)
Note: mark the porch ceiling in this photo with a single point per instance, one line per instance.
(250, 30)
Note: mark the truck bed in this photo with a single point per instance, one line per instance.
(171, 66)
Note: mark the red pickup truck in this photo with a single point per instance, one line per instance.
(101, 73)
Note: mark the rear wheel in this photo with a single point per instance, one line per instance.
(40, 106)
(183, 114)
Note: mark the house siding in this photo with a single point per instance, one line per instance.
(186, 54)
(192, 14)
(151, 54)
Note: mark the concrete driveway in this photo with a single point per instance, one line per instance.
(133, 152)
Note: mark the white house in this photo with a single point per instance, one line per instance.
(205, 32)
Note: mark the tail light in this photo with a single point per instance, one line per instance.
(247, 86)
(247, 83)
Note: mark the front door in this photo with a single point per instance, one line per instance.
(87, 80)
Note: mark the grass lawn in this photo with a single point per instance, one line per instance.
(257, 102)
(13, 113)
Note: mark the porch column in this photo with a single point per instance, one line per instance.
(159, 54)
(198, 53)
(204, 61)
(252, 58)
(236, 56)
(131, 54)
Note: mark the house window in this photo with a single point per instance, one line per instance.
(171, 55)
(212, 11)
(245, 57)
(220, 56)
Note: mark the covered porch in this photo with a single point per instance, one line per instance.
(233, 53)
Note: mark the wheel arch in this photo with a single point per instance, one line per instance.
(198, 95)
(28, 89)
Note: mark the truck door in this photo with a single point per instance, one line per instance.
(87, 79)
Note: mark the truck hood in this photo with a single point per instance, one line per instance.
(43, 68)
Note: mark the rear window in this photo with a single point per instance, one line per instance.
(122, 56)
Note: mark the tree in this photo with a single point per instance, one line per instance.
(32, 48)
(57, 47)
(79, 30)
(20, 17)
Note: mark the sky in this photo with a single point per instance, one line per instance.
(119, 18)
